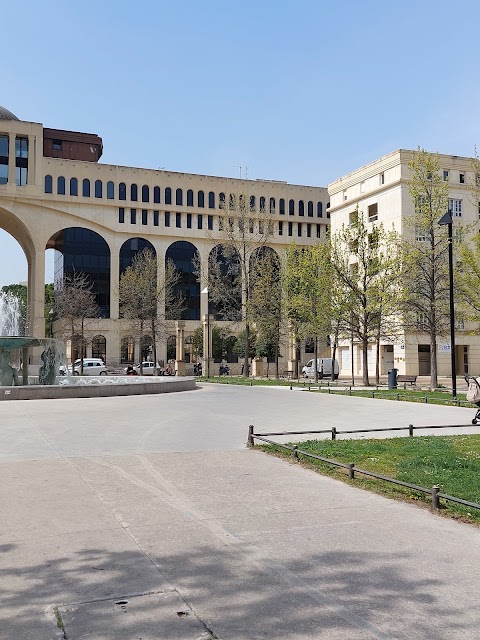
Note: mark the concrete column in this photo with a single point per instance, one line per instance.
(257, 367)
(180, 348)
(36, 294)
(207, 360)
(11, 158)
(114, 280)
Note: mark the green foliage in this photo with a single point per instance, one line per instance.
(223, 342)
(240, 344)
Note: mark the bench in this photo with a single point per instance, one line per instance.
(286, 373)
(411, 379)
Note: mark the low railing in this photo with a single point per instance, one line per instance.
(350, 466)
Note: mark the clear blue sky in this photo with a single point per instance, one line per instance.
(300, 91)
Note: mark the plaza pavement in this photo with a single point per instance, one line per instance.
(146, 517)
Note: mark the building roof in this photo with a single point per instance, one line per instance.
(5, 114)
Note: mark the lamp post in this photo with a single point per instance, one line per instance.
(205, 291)
(447, 220)
(50, 317)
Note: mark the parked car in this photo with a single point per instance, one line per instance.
(91, 367)
(148, 369)
(324, 368)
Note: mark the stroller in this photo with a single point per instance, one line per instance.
(473, 394)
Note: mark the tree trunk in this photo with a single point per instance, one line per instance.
(433, 362)
(247, 349)
(316, 360)
(365, 379)
(377, 363)
(81, 348)
(334, 355)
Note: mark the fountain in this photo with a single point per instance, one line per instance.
(12, 343)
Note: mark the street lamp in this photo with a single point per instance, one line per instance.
(50, 317)
(447, 220)
(205, 291)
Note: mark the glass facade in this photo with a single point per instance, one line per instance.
(3, 159)
(182, 255)
(21, 161)
(81, 250)
(130, 248)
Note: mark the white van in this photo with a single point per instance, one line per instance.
(324, 368)
(91, 367)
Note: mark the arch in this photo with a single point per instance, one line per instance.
(110, 190)
(301, 208)
(179, 197)
(262, 252)
(99, 347)
(184, 255)
(156, 195)
(200, 200)
(98, 189)
(86, 188)
(83, 250)
(211, 200)
(224, 265)
(189, 198)
(61, 185)
(281, 206)
(133, 192)
(310, 209)
(48, 184)
(145, 193)
(130, 248)
(127, 350)
(122, 191)
(168, 195)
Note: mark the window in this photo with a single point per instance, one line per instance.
(344, 194)
(221, 200)
(168, 196)
(179, 197)
(281, 206)
(56, 145)
(262, 203)
(382, 178)
(98, 189)
(253, 203)
(178, 220)
(110, 190)
(319, 210)
(373, 212)
(73, 187)
(145, 193)
(61, 185)
(421, 234)
(48, 184)
(461, 178)
(353, 217)
(156, 195)
(309, 345)
(445, 175)
(122, 191)
(86, 188)
(155, 218)
(301, 208)
(309, 230)
(4, 145)
(319, 230)
(232, 202)
(200, 200)
(280, 227)
(272, 205)
(121, 215)
(200, 221)
(290, 228)
(133, 193)
(21, 161)
(211, 200)
(310, 209)
(133, 216)
(210, 223)
(299, 229)
(144, 216)
(291, 208)
(189, 198)
(167, 218)
(189, 220)
(455, 206)
(459, 324)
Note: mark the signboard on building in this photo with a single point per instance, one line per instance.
(444, 347)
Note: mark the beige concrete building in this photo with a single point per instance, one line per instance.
(381, 191)
(54, 193)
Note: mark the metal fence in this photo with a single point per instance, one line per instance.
(351, 467)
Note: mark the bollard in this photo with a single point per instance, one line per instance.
(295, 452)
(251, 383)
(398, 396)
(291, 386)
(435, 498)
(334, 433)
(309, 388)
(351, 471)
(410, 430)
(329, 390)
(350, 390)
(426, 399)
(373, 394)
(250, 440)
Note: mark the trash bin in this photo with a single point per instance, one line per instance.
(392, 378)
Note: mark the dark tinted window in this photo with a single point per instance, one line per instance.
(291, 208)
(281, 205)
(189, 198)
(253, 203)
(121, 215)
(86, 188)
(301, 208)
(167, 218)
(98, 189)
(201, 199)
(183, 255)
(211, 200)
(156, 195)
(310, 209)
(133, 193)
(178, 220)
(168, 196)
(122, 191)
(179, 197)
(319, 210)
(272, 205)
(262, 203)
(200, 221)
(221, 200)
(61, 185)
(73, 187)
(48, 184)
(110, 190)
(145, 193)
(133, 216)
(189, 220)
(144, 216)
(155, 218)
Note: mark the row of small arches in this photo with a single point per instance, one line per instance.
(169, 196)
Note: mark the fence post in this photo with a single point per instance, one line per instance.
(250, 440)
(435, 498)
(334, 433)
(291, 385)
(350, 390)
(309, 387)
(295, 452)
(328, 389)
(426, 399)
(410, 430)
(351, 471)
(251, 383)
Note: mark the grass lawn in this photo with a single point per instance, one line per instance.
(453, 462)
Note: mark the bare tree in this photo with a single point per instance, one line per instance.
(74, 305)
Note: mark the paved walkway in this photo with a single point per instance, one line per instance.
(145, 517)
